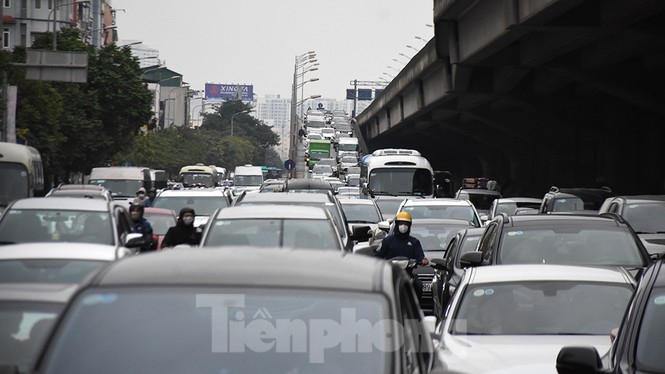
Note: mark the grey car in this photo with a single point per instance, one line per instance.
(215, 311)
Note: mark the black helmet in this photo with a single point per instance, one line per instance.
(137, 208)
(152, 189)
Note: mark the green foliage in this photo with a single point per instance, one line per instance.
(244, 125)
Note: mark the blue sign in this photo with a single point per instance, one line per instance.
(350, 94)
(364, 94)
(378, 92)
(229, 91)
(289, 164)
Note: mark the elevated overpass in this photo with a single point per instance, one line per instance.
(535, 93)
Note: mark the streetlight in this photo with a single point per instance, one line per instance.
(390, 67)
(412, 47)
(388, 75)
(302, 90)
(104, 29)
(401, 62)
(405, 56)
(54, 42)
(128, 44)
(300, 61)
(422, 39)
(234, 114)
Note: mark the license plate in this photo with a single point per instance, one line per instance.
(427, 287)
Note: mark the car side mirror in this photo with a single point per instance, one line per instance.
(134, 240)
(361, 233)
(471, 259)
(385, 226)
(573, 360)
(438, 263)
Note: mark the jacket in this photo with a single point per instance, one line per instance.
(142, 226)
(398, 244)
(181, 233)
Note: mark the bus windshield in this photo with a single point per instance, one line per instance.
(14, 183)
(400, 181)
(119, 187)
(191, 179)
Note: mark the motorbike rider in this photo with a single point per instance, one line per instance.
(184, 231)
(142, 226)
(401, 244)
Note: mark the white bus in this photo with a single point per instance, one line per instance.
(398, 172)
(122, 181)
(198, 175)
(21, 172)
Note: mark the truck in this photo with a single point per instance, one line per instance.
(318, 149)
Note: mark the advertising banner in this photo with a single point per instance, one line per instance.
(229, 91)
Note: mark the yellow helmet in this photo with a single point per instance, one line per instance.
(403, 216)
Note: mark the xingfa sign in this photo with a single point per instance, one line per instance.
(229, 91)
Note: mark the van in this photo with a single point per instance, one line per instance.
(158, 178)
(122, 181)
(247, 178)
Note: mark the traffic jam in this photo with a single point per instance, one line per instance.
(371, 263)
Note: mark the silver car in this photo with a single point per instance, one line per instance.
(516, 318)
(274, 226)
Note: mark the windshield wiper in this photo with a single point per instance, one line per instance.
(3, 242)
(359, 221)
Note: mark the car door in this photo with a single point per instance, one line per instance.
(488, 242)
(417, 348)
(123, 224)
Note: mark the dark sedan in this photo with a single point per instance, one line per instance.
(198, 310)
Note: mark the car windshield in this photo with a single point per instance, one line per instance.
(646, 218)
(273, 233)
(353, 170)
(435, 236)
(28, 226)
(202, 205)
(221, 330)
(191, 179)
(651, 338)
(119, 187)
(569, 245)
(541, 308)
(13, 182)
(322, 169)
(46, 270)
(462, 213)
(568, 204)
(160, 222)
(388, 206)
(400, 181)
(248, 180)
(361, 213)
(510, 207)
(27, 325)
(78, 193)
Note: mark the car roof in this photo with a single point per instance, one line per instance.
(38, 292)
(227, 267)
(356, 201)
(192, 192)
(642, 199)
(437, 202)
(307, 183)
(549, 272)
(564, 219)
(59, 250)
(518, 200)
(272, 211)
(62, 203)
(285, 197)
(479, 191)
(441, 221)
(89, 187)
(151, 210)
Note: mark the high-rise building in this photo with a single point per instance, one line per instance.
(275, 111)
(23, 21)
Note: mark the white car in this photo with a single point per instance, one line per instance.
(443, 208)
(516, 318)
(204, 201)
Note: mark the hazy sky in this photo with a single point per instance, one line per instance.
(256, 41)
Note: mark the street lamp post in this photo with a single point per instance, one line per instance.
(54, 42)
(300, 61)
(412, 47)
(234, 114)
(312, 67)
(405, 56)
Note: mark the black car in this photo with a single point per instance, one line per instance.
(448, 271)
(200, 310)
(638, 343)
(569, 239)
(571, 200)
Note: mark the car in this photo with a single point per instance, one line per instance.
(637, 343)
(480, 198)
(433, 234)
(442, 208)
(307, 185)
(55, 262)
(204, 201)
(272, 226)
(511, 205)
(161, 220)
(307, 312)
(448, 271)
(327, 200)
(89, 191)
(351, 192)
(322, 171)
(574, 200)
(27, 313)
(346, 161)
(388, 205)
(363, 211)
(560, 239)
(516, 318)
(63, 219)
(644, 214)
(272, 185)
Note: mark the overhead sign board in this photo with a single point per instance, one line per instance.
(229, 91)
(56, 66)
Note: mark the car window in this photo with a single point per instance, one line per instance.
(651, 338)
(46, 270)
(160, 222)
(362, 213)
(27, 226)
(294, 317)
(487, 240)
(202, 205)
(415, 344)
(645, 218)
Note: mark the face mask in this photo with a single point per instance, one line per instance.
(188, 220)
(141, 195)
(135, 215)
(403, 228)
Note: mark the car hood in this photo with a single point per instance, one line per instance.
(654, 243)
(511, 353)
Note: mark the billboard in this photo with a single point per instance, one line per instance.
(229, 91)
(364, 94)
